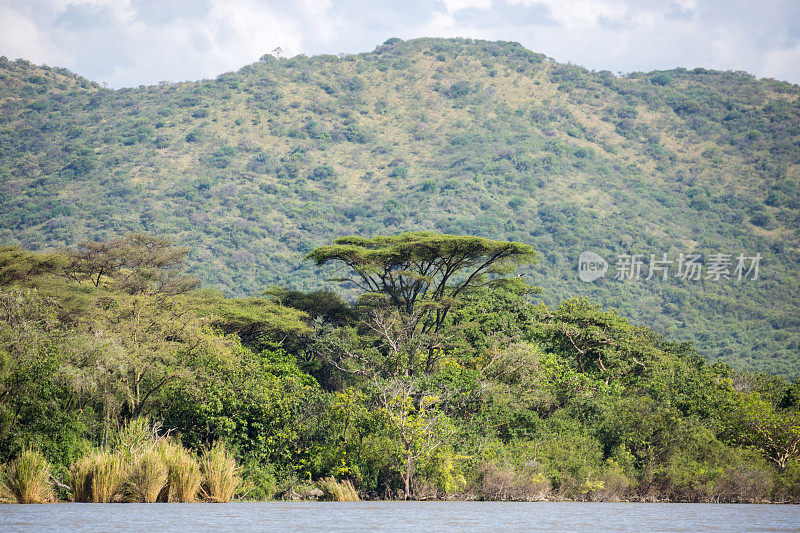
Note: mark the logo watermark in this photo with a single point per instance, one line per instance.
(591, 266)
(688, 267)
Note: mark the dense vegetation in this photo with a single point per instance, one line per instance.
(446, 378)
(257, 167)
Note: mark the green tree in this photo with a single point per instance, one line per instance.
(756, 422)
(599, 342)
(413, 281)
(137, 263)
(19, 265)
(36, 389)
(418, 425)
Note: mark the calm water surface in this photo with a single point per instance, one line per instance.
(400, 516)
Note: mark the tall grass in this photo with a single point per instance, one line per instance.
(221, 476)
(98, 477)
(137, 444)
(135, 438)
(338, 491)
(141, 466)
(147, 477)
(26, 479)
(184, 472)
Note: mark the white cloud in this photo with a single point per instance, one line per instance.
(580, 14)
(21, 38)
(782, 64)
(457, 5)
(129, 42)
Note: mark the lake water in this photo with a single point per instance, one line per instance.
(400, 516)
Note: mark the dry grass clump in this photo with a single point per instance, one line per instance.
(135, 438)
(147, 477)
(184, 472)
(338, 491)
(511, 484)
(26, 479)
(140, 466)
(221, 476)
(98, 477)
(138, 444)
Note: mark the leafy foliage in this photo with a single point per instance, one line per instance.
(516, 400)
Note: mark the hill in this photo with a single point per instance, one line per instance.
(257, 167)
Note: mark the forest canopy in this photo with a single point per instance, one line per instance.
(509, 399)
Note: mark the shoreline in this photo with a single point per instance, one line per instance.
(683, 502)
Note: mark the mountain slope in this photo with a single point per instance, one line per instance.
(255, 168)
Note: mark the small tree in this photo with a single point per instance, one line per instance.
(137, 263)
(755, 422)
(419, 427)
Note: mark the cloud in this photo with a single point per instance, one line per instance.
(132, 42)
(456, 5)
(20, 37)
(782, 64)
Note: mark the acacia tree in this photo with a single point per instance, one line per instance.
(415, 279)
(137, 263)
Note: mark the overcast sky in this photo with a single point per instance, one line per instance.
(133, 42)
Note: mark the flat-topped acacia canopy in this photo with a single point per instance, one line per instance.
(422, 267)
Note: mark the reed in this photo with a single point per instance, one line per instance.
(98, 477)
(338, 491)
(26, 479)
(147, 477)
(220, 474)
(135, 438)
(184, 472)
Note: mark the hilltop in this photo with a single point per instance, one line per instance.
(257, 167)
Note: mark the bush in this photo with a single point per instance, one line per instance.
(612, 485)
(687, 107)
(323, 173)
(787, 488)
(258, 482)
(458, 89)
(220, 475)
(574, 461)
(661, 79)
(27, 479)
(98, 477)
(184, 473)
(506, 483)
(338, 491)
(763, 220)
(746, 481)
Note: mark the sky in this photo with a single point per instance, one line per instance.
(128, 43)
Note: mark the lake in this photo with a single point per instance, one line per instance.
(400, 516)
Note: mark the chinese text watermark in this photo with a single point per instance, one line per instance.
(661, 267)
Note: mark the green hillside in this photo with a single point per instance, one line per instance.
(257, 167)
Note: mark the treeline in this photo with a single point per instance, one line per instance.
(442, 377)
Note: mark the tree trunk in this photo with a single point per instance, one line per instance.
(407, 477)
